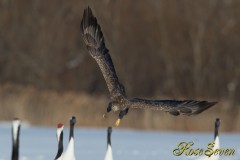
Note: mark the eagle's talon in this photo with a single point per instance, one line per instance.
(104, 115)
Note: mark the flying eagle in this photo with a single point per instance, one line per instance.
(93, 37)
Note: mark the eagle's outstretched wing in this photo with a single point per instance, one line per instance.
(93, 37)
(174, 107)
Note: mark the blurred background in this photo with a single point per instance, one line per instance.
(162, 49)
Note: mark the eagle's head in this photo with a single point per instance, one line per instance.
(113, 107)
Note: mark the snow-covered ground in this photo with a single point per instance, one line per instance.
(39, 143)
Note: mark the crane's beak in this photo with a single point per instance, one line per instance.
(117, 122)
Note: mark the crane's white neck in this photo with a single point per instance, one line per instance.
(108, 155)
(15, 127)
(59, 131)
(69, 154)
(217, 143)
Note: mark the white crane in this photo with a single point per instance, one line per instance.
(108, 155)
(16, 123)
(60, 141)
(69, 153)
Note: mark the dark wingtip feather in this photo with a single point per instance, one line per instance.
(204, 105)
(87, 17)
(92, 33)
(89, 20)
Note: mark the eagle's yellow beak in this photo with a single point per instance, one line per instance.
(117, 122)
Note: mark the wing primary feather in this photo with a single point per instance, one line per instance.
(174, 107)
(94, 40)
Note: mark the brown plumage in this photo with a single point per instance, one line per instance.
(93, 37)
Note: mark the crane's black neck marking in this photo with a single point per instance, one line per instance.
(60, 146)
(72, 123)
(109, 131)
(15, 141)
(215, 133)
(217, 125)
